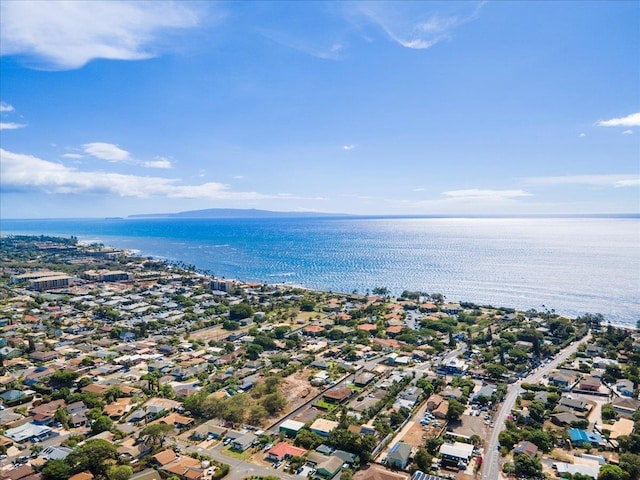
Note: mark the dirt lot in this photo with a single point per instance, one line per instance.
(414, 436)
(471, 426)
(297, 389)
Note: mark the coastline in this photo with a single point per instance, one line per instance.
(487, 268)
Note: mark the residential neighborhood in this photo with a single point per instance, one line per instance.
(118, 366)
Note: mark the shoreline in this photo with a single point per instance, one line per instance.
(108, 241)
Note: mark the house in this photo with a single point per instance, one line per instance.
(581, 438)
(164, 457)
(82, 476)
(363, 379)
(290, 428)
(442, 410)
(562, 380)
(43, 356)
(186, 468)
(313, 330)
(337, 395)
(574, 404)
(244, 442)
(564, 469)
(283, 451)
(375, 472)
(208, 429)
(399, 454)
(564, 419)
(626, 406)
(434, 401)
(526, 448)
(43, 414)
(456, 454)
(624, 387)
(451, 392)
(329, 468)
(485, 393)
(28, 431)
(323, 427)
(590, 384)
(23, 472)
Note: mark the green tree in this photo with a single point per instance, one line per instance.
(422, 460)
(307, 439)
(240, 311)
(101, 424)
(256, 414)
(56, 470)
(630, 463)
(63, 378)
(611, 472)
(527, 467)
(156, 433)
(120, 472)
(274, 403)
(456, 409)
(62, 416)
(93, 456)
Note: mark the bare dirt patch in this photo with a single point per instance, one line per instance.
(297, 389)
(414, 436)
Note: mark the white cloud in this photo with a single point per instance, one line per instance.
(627, 132)
(11, 125)
(20, 171)
(74, 156)
(331, 52)
(239, 177)
(582, 135)
(106, 151)
(348, 147)
(5, 107)
(606, 180)
(475, 194)
(411, 26)
(160, 162)
(67, 34)
(632, 120)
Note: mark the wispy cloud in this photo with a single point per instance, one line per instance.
(418, 25)
(67, 34)
(106, 151)
(475, 194)
(21, 171)
(627, 132)
(607, 180)
(74, 156)
(160, 162)
(632, 120)
(238, 177)
(11, 125)
(5, 107)
(582, 135)
(348, 147)
(326, 50)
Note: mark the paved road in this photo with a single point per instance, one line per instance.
(491, 464)
(239, 468)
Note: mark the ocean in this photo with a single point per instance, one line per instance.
(572, 265)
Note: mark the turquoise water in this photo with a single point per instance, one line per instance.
(573, 265)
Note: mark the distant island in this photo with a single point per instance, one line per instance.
(235, 213)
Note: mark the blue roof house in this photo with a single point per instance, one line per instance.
(582, 437)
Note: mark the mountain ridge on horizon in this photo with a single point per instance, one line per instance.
(234, 213)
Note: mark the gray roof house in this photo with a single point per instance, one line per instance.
(399, 454)
(244, 442)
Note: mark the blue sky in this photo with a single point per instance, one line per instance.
(119, 108)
